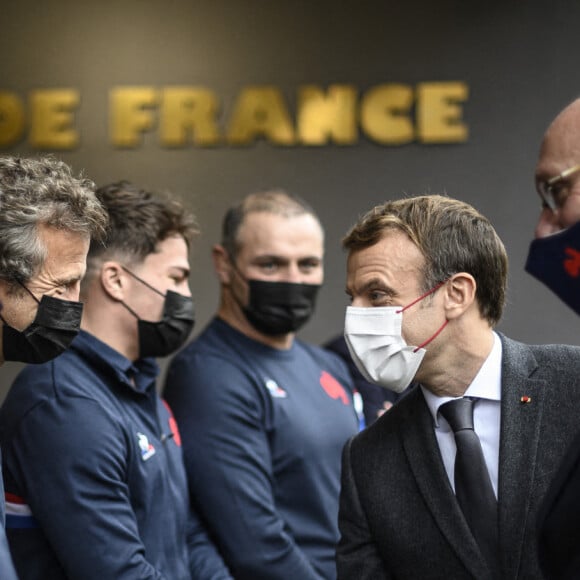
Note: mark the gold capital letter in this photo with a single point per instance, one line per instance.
(384, 114)
(189, 110)
(52, 118)
(260, 111)
(321, 116)
(130, 116)
(439, 112)
(11, 118)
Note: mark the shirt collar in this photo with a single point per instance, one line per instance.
(485, 385)
(139, 375)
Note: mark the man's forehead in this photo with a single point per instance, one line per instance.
(561, 143)
(271, 233)
(252, 218)
(394, 252)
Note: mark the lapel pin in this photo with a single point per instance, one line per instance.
(525, 399)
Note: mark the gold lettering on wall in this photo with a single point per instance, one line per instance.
(11, 118)
(52, 119)
(260, 112)
(189, 114)
(324, 116)
(439, 116)
(131, 114)
(390, 114)
(386, 114)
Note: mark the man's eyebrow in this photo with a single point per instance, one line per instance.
(373, 283)
(182, 269)
(66, 280)
(377, 283)
(271, 258)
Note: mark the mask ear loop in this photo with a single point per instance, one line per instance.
(434, 289)
(33, 296)
(142, 281)
(29, 292)
(130, 310)
(423, 345)
(241, 277)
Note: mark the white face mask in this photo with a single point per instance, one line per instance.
(373, 337)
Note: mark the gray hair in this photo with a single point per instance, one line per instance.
(41, 191)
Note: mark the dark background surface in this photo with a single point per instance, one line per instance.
(518, 60)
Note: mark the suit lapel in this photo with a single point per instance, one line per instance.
(425, 461)
(521, 414)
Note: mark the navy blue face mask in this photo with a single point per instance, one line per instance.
(555, 261)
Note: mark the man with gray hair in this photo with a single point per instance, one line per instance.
(47, 219)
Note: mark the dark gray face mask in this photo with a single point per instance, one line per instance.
(158, 339)
(56, 324)
(277, 308)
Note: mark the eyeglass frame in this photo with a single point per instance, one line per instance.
(544, 188)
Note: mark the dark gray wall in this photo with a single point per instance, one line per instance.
(518, 59)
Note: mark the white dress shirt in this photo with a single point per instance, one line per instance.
(486, 389)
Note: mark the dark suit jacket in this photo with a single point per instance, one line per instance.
(399, 517)
(559, 520)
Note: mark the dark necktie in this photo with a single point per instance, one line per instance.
(473, 486)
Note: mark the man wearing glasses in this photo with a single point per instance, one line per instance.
(554, 259)
(554, 256)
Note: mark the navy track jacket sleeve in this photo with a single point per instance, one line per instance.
(89, 522)
(205, 561)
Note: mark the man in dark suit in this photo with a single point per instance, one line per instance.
(552, 260)
(431, 271)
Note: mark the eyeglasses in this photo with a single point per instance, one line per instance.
(555, 191)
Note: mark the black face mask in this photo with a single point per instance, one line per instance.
(555, 261)
(277, 308)
(170, 333)
(54, 327)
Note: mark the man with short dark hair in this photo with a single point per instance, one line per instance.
(47, 219)
(447, 484)
(93, 465)
(264, 415)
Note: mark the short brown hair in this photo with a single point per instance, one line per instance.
(275, 201)
(138, 221)
(452, 236)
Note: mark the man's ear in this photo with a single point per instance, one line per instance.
(113, 280)
(459, 294)
(222, 264)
